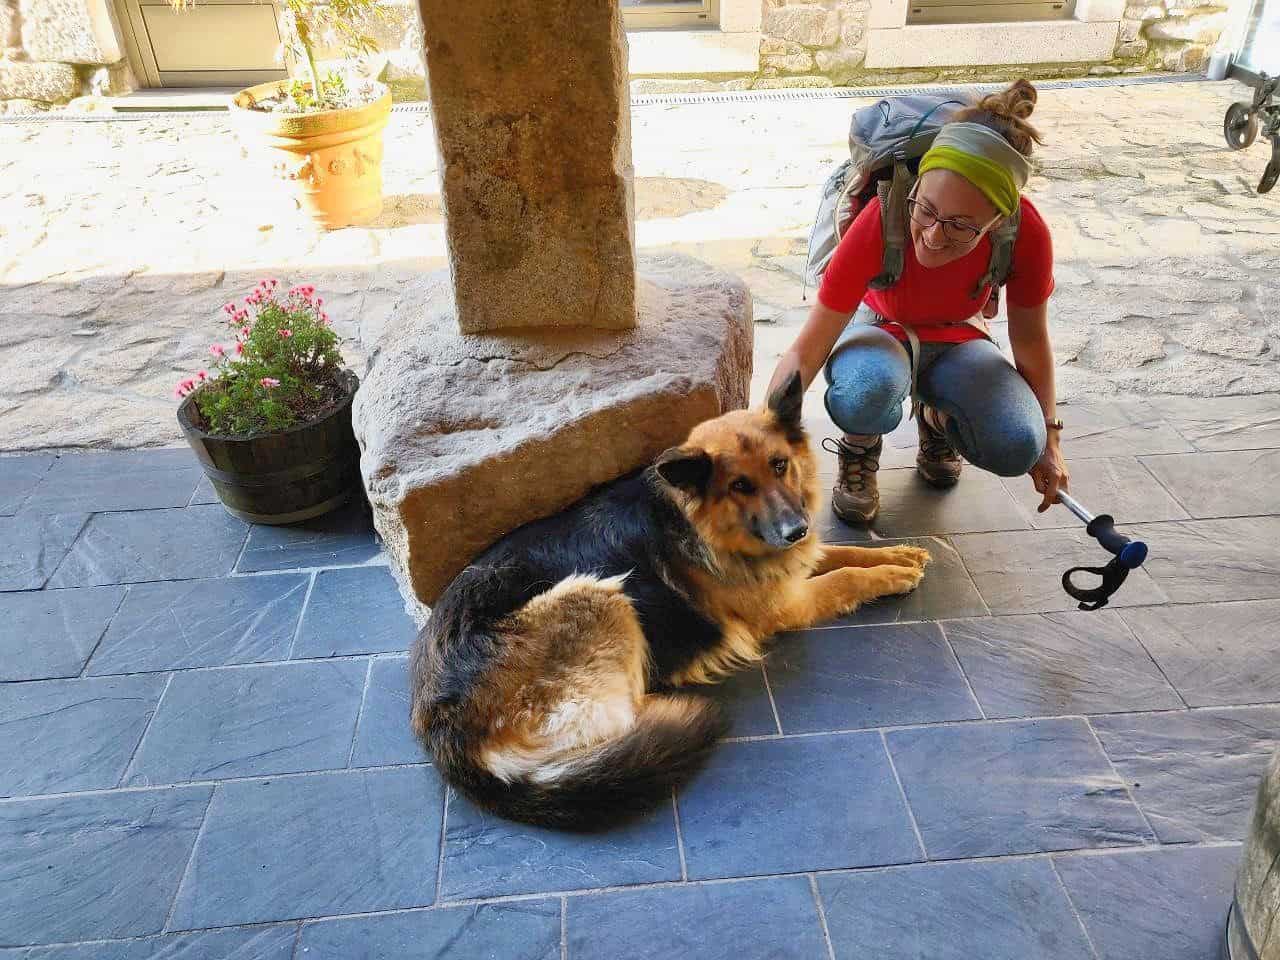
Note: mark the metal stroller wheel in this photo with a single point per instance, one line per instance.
(1240, 126)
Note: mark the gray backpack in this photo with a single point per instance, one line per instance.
(886, 142)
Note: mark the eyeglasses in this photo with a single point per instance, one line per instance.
(956, 231)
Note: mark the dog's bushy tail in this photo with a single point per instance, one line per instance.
(612, 781)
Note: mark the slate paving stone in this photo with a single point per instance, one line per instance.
(947, 590)
(523, 930)
(1223, 423)
(1057, 663)
(51, 633)
(1194, 774)
(486, 856)
(252, 721)
(116, 480)
(749, 920)
(909, 507)
(1215, 485)
(990, 789)
(33, 548)
(344, 537)
(1199, 561)
(1021, 572)
(1117, 428)
(354, 611)
(1120, 486)
(783, 806)
(383, 736)
(1215, 654)
(313, 846)
(745, 702)
(249, 943)
(69, 866)
(1167, 904)
(1013, 910)
(858, 677)
(184, 544)
(60, 736)
(18, 477)
(204, 492)
(202, 623)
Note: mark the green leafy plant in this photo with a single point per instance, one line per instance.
(284, 368)
(307, 23)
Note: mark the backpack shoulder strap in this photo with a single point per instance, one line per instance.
(999, 266)
(893, 224)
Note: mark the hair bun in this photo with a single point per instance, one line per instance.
(1006, 113)
(1016, 103)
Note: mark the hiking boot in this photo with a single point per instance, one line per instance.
(936, 460)
(856, 498)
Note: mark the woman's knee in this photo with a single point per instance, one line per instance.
(865, 391)
(1008, 447)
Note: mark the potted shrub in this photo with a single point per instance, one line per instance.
(272, 424)
(325, 128)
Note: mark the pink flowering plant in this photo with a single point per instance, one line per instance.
(282, 367)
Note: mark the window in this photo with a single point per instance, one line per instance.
(974, 11)
(669, 14)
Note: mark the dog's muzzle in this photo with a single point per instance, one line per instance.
(782, 527)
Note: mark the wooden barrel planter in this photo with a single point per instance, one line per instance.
(1255, 912)
(283, 477)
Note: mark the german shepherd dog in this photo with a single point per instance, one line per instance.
(542, 682)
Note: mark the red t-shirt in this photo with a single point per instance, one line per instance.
(922, 297)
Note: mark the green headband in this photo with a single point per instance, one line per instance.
(982, 157)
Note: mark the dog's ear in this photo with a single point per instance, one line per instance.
(786, 400)
(686, 468)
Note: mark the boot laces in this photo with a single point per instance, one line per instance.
(857, 461)
(934, 444)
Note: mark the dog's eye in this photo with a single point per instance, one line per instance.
(742, 485)
(780, 466)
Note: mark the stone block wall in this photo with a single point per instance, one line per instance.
(824, 43)
(52, 51)
(1171, 34)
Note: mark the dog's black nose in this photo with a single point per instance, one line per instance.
(797, 533)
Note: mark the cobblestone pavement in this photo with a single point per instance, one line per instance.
(204, 749)
(119, 241)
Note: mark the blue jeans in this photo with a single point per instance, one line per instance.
(993, 418)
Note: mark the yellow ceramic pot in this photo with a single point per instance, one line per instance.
(333, 157)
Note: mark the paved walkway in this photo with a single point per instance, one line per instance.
(120, 240)
(204, 750)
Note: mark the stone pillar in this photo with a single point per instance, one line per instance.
(541, 365)
(1252, 930)
(531, 109)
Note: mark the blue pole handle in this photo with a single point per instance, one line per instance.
(1129, 553)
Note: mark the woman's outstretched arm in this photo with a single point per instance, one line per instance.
(1033, 356)
(811, 347)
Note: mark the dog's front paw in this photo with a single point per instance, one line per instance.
(901, 579)
(906, 556)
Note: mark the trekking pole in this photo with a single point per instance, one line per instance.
(1126, 555)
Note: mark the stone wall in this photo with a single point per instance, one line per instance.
(824, 43)
(1171, 34)
(52, 51)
